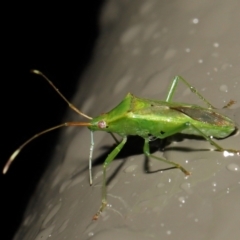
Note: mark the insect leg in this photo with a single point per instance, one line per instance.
(147, 153)
(114, 137)
(190, 125)
(90, 158)
(193, 89)
(108, 160)
(229, 104)
(218, 147)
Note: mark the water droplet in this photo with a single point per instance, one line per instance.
(195, 21)
(182, 199)
(227, 154)
(130, 169)
(214, 184)
(224, 88)
(187, 50)
(169, 232)
(196, 220)
(233, 167)
(200, 61)
(90, 234)
(216, 45)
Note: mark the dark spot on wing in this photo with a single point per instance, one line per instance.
(203, 115)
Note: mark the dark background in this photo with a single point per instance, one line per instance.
(58, 40)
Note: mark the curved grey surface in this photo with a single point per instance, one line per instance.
(143, 44)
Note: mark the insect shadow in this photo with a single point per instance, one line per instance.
(134, 146)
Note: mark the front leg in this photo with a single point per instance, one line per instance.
(108, 160)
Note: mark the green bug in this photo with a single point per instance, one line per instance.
(148, 118)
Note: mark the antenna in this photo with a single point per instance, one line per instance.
(66, 124)
(61, 95)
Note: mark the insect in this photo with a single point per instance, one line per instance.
(148, 119)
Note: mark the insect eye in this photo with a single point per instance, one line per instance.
(102, 124)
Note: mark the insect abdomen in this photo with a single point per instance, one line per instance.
(208, 121)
